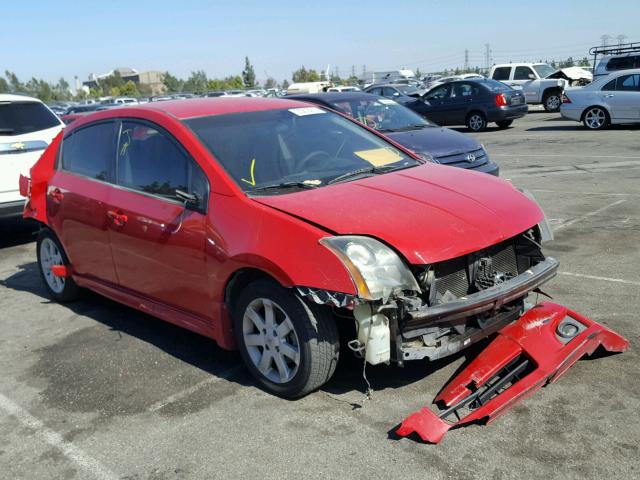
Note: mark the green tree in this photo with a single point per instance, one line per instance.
(16, 86)
(171, 83)
(285, 84)
(4, 85)
(584, 62)
(248, 75)
(129, 89)
(197, 82)
(270, 83)
(303, 75)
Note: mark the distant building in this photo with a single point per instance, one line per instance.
(152, 78)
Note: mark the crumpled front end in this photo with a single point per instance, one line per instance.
(524, 357)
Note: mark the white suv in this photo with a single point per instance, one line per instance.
(27, 127)
(532, 79)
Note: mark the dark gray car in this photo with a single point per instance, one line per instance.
(433, 143)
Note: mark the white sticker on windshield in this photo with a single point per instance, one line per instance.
(386, 101)
(301, 112)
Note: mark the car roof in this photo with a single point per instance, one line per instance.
(202, 107)
(9, 97)
(330, 97)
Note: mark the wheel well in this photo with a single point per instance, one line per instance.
(548, 91)
(476, 111)
(584, 112)
(239, 280)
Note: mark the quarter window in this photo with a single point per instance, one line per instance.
(501, 73)
(152, 162)
(89, 151)
(628, 83)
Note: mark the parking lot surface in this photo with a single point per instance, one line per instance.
(97, 390)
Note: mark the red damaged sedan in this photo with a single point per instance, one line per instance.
(265, 224)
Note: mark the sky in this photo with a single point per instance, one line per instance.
(53, 39)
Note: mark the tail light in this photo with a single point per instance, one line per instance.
(565, 99)
(25, 186)
(501, 100)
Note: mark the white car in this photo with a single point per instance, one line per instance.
(608, 100)
(532, 79)
(343, 89)
(27, 126)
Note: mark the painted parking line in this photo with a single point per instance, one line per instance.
(587, 215)
(224, 375)
(73, 453)
(604, 279)
(561, 155)
(574, 192)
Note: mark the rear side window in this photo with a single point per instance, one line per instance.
(18, 118)
(501, 73)
(152, 162)
(90, 151)
(623, 63)
(628, 83)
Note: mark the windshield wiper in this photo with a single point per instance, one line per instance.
(6, 131)
(282, 186)
(406, 127)
(363, 171)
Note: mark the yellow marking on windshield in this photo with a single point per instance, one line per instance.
(253, 178)
(379, 156)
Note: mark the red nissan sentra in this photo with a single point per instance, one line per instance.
(266, 223)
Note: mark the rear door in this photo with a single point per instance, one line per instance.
(158, 245)
(77, 197)
(624, 101)
(464, 97)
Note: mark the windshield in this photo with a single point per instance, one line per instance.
(407, 89)
(544, 70)
(382, 114)
(305, 146)
(17, 118)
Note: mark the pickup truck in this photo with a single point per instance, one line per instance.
(532, 79)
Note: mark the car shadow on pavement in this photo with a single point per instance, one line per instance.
(184, 345)
(17, 232)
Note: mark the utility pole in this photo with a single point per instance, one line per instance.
(487, 56)
(605, 40)
(621, 39)
(466, 60)
(353, 70)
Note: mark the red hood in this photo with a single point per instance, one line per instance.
(429, 213)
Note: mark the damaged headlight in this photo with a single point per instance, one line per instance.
(546, 234)
(377, 271)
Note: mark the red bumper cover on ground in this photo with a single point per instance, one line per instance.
(524, 357)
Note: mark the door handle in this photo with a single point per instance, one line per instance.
(56, 195)
(117, 218)
(609, 95)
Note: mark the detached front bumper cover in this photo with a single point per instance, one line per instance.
(524, 357)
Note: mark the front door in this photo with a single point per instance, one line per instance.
(463, 96)
(437, 104)
(158, 244)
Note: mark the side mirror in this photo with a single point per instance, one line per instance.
(190, 200)
(396, 94)
(531, 76)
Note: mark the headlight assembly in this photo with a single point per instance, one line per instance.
(376, 270)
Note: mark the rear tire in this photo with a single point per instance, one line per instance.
(552, 101)
(476, 122)
(595, 118)
(290, 347)
(50, 252)
(504, 123)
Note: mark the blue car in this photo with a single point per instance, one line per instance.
(428, 140)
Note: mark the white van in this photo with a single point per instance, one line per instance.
(27, 126)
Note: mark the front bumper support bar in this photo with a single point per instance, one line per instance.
(524, 357)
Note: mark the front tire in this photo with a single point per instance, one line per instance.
(476, 122)
(291, 348)
(504, 124)
(50, 253)
(552, 102)
(595, 118)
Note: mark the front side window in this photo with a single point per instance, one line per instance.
(270, 152)
(152, 162)
(501, 73)
(375, 91)
(390, 92)
(18, 118)
(439, 93)
(522, 73)
(90, 150)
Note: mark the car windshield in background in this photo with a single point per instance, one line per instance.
(277, 151)
(494, 85)
(544, 70)
(18, 118)
(408, 89)
(382, 114)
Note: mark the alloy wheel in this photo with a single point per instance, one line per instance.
(271, 340)
(553, 102)
(49, 256)
(595, 118)
(476, 122)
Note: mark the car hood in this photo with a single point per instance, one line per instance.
(429, 213)
(437, 141)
